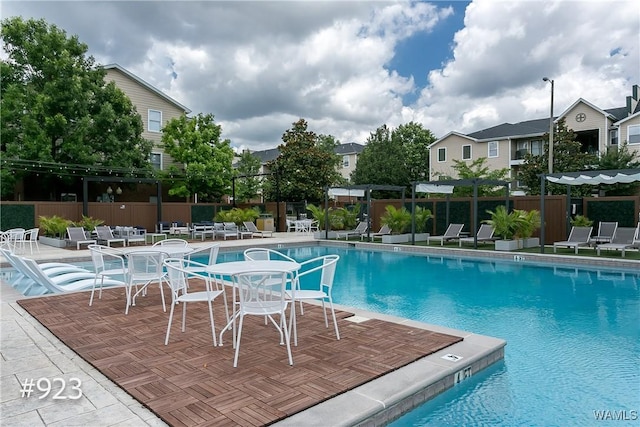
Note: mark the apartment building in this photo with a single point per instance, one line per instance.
(505, 145)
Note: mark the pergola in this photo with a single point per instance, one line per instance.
(446, 187)
(87, 179)
(355, 191)
(592, 177)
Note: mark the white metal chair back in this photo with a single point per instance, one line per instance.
(262, 294)
(265, 254)
(176, 242)
(144, 268)
(31, 238)
(106, 263)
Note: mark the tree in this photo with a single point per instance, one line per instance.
(247, 182)
(415, 141)
(478, 169)
(303, 167)
(620, 158)
(567, 157)
(381, 161)
(195, 143)
(56, 108)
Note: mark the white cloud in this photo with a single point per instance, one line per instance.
(260, 66)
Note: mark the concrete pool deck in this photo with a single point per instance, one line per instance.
(30, 351)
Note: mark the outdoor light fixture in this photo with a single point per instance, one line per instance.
(118, 191)
(547, 79)
(109, 190)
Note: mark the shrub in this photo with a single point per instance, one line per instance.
(54, 226)
(422, 216)
(396, 219)
(88, 223)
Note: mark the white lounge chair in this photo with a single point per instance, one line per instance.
(384, 231)
(485, 234)
(360, 229)
(452, 233)
(251, 227)
(625, 238)
(579, 236)
(606, 231)
(78, 236)
(105, 236)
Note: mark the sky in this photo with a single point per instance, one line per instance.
(349, 67)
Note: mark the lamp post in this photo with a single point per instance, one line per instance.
(547, 79)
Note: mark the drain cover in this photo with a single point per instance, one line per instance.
(357, 319)
(451, 357)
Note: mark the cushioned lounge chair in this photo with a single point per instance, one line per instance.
(579, 236)
(452, 233)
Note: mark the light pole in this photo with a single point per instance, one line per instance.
(547, 79)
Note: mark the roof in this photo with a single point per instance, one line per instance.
(349, 148)
(529, 127)
(273, 153)
(146, 85)
(632, 116)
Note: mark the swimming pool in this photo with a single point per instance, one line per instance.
(573, 334)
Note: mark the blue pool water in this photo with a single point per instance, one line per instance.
(573, 334)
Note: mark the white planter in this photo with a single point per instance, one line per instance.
(321, 234)
(396, 238)
(531, 242)
(53, 241)
(508, 245)
(421, 237)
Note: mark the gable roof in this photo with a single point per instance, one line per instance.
(147, 86)
(526, 128)
(632, 116)
(584, 101)
(461, 135)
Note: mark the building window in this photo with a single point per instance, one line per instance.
(536, 147)
(493, 149)
(613, 137)
(345, 161)
(155, 121)
(442, 154)
(633, 133)
(466, 152)
(522, 148)
(156, 160)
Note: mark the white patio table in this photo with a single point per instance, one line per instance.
(227, 269)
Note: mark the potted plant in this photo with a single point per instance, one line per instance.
(505, 224)
(318, 214)
(422, 215)
(398, 220)
(54, 230)
(88, 223)
(581, 221)
(528, 222)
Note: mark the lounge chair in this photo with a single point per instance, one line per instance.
(625, 238)
(251, 227)
(360, 230)
(384, 231)
(105, 236)
(606, 230)
(229, 229)
(78, 236)
(485, 234)
(579, 236)
(452, 233)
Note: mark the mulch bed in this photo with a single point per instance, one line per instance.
(191, 383)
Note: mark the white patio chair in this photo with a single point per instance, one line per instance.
(30, 237)
(144, 268)
(262, 294)
(452, 233)
(385, 230)
(14, 239)
(172, 242)
(578, 236)
(106, 263)
(178, 273)
(326, 266)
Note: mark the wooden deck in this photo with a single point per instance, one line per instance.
(191, 383)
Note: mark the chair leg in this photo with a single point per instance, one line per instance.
(166, 339)
(184, 315)
(237, 341)
(335, 322)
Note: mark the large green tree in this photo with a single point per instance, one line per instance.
(303, 168)
(620, 158)
(381, 161)
(56, 108)
(415, 141)
(248, 183)
(479, 169)
(567, 157)
(205, 161)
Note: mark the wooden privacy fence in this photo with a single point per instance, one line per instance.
(624, 209)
